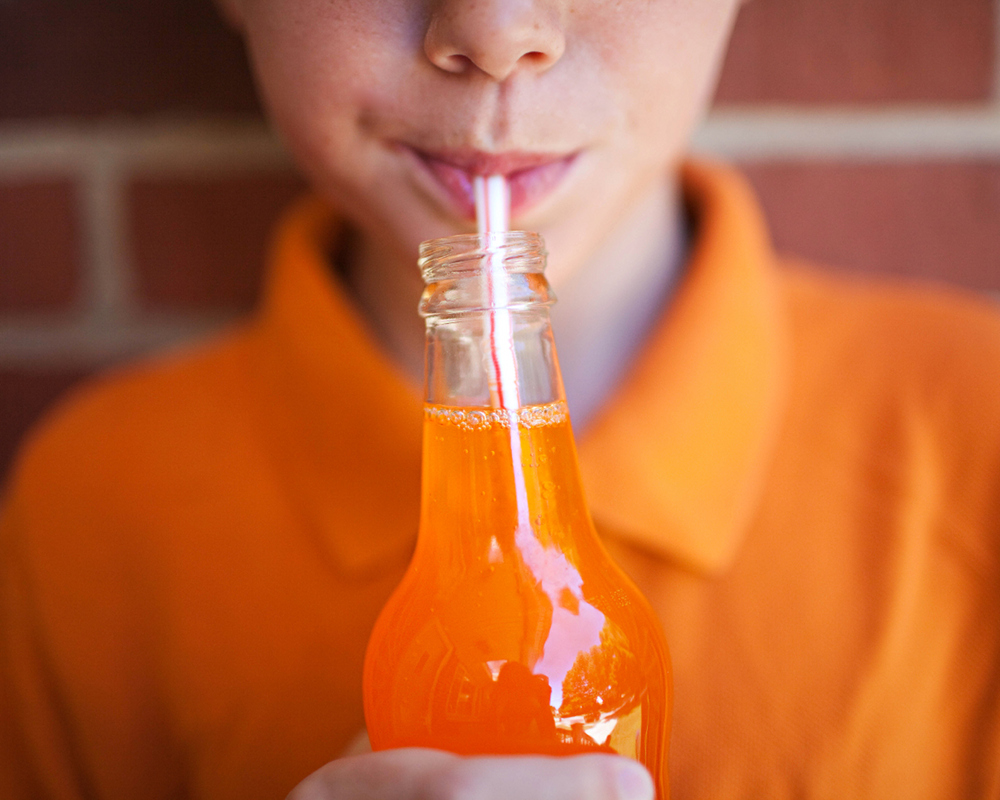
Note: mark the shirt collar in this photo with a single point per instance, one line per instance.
(675, 461)
(346, 423)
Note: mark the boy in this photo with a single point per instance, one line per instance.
(800, 472)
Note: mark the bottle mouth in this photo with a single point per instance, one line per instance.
(461, 275)
(467, 254)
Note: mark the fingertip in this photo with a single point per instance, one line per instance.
(633, 782)
(613, 777)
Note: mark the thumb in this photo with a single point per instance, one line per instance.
(414, 774)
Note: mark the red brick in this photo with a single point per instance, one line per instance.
(25, 394)
(39, 245)
(198, 243)
(861, 51)
(92, 57)
(928, 220)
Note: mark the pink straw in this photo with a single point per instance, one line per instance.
(492, 198)
(492, 203)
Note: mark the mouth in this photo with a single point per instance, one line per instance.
(531, 176)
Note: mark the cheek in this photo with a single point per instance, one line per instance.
(663, 56)
(321, 64)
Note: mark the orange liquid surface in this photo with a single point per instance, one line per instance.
(513, 631)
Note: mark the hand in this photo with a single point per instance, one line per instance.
(417, 774)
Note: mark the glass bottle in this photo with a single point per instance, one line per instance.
(512, 630)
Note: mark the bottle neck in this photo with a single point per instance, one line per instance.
(489, 337)
(499, 464)
(461, 365)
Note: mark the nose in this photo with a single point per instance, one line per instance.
(496, 37)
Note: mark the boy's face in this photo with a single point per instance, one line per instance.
(392, 105)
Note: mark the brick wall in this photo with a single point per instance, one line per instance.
(138, 183)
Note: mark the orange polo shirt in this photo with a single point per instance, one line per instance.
(802, 473)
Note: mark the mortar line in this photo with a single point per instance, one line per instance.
(996, 53)
(175, 146)
(109, 289)
(53, 341)
(891, 134)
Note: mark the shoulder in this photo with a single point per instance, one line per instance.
(932, 339)
(908, 375)
(135, 438)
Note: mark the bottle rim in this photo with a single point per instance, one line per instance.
(465, 254)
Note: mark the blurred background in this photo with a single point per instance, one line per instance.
(138, 181)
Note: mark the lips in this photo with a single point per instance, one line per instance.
(530, 176)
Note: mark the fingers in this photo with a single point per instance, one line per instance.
(414, 774)
(545, 778)
(393, 775)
